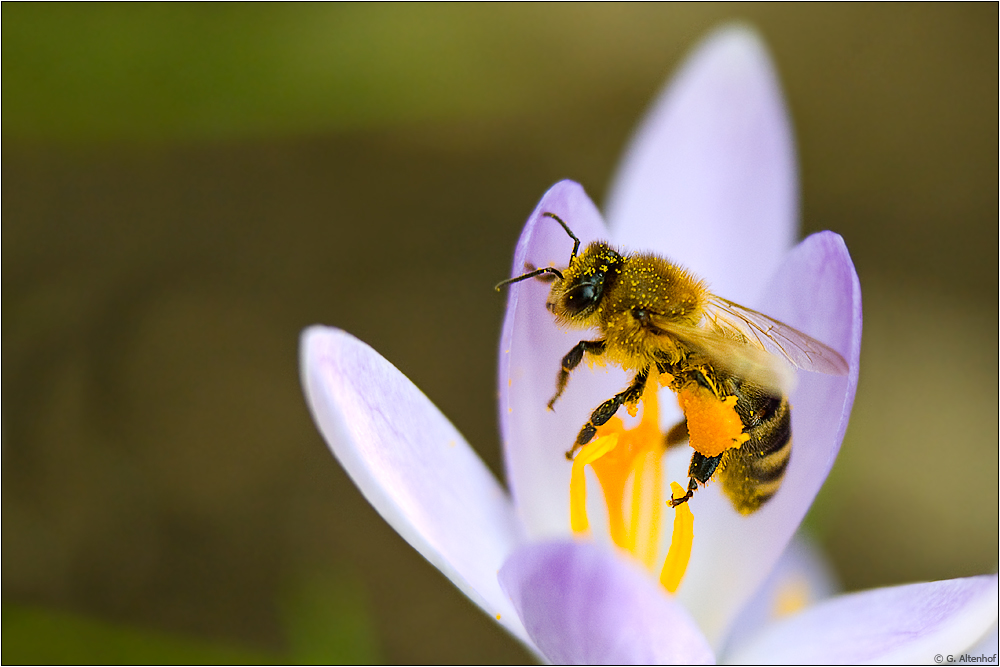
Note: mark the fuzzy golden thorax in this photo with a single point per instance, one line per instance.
(623, 296)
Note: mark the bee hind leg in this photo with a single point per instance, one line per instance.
(571, 361)
(699, 472)
(607, 410)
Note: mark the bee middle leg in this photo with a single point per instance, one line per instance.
(700, 471)
(571, 361)
(607, 410)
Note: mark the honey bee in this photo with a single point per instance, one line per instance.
(652, 314)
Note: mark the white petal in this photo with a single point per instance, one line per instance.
(899, 625)
(710, 179)
(585, 604)
(412, 466)
(531, 349)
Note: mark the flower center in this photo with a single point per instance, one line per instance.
(629, 467)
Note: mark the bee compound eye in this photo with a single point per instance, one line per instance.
(582, 296)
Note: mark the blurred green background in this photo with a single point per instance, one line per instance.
(185, 187)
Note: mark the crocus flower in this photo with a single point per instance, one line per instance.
(709, 182)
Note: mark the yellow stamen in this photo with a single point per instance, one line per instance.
(578, 482)
(628, 466)
(679, 553)
(645, 509)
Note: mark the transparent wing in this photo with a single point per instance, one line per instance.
(736, 354)
(769, 334)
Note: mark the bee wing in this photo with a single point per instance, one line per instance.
(741, 356)
(799, 349)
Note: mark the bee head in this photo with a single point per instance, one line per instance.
(578, 289)
(576, 295)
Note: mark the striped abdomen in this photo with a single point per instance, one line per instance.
(752, 474)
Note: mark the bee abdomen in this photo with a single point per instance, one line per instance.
(752, 474)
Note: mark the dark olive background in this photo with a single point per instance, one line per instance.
(186, 187)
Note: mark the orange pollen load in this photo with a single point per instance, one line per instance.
(713, 425)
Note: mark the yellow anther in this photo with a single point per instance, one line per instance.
(679, 553)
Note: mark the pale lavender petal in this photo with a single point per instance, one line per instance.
(801, 579)
(531, 349)
(710, 179)
(987, 645)
(583, 604)
(899, 625)
(816, 290)
(412, 465)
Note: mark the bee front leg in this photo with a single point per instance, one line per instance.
(571, 361)
(607, 410)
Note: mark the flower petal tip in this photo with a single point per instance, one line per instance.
(714, 162)
(412, 465)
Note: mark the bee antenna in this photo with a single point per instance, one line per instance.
(576, 241)
(530, 274)
(546, 269)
